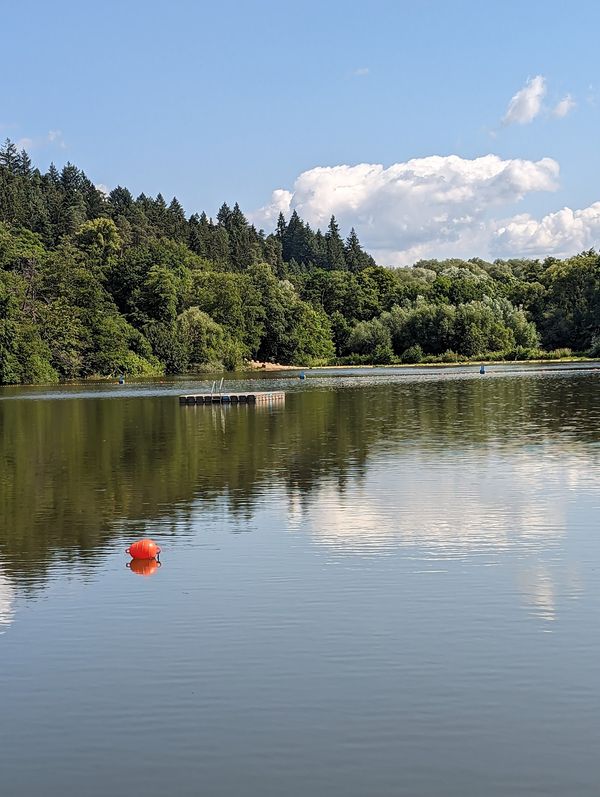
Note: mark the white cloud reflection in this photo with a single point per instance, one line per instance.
(498, 504)
(512, 508)
(542, 586)
(7, 596)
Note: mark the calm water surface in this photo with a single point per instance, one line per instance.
(389, 585)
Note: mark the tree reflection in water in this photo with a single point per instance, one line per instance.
(74, 473)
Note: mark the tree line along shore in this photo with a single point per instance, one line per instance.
(102, 284)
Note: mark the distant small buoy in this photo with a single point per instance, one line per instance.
(144, 567)
(302, 375)
(143, 549)
(482, 369)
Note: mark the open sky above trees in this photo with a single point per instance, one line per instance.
(434, 129)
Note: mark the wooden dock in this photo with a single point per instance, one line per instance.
(272, 397)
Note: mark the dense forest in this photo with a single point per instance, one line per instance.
(95, 284)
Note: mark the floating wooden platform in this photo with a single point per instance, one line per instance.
(233, 398)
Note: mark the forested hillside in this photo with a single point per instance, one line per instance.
(95, 284)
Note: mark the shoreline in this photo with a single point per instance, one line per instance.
(275, 367)
(255, 367)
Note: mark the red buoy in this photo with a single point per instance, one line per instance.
(143, 549)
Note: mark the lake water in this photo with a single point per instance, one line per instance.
(388, 585)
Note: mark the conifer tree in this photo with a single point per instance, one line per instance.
(206, 230)
(39, 217)
(335, 247)
(24, 164)
(240, 239)
(320, 250)
(273, 256)
(121, 201)
(9, 157)
(53, 174)
(356, 258)
(95, 202)
(72, 210)
(281, 227)
(176, 222)
(224, 215)
(157, 215)
(296, 240)
(218, 248)
(53, 198)
(70, 180)
(194, 238)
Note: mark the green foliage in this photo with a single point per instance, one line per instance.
(571, 316)
(234, 301)
(562, 353)
(205, 343)
(166, 346)
(24, 356)
(414, 354)
(468, 329)
(112, 349)
(310, 336)
(335, 248)
(292, 330)
(99, 239)
(95, 284)
(340, 330)
(65, 334)
(594, 350)
(371, 338)
(33, 356)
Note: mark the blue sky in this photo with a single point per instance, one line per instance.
(230, 102)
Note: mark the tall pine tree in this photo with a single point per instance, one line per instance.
(355, 256)
(9, 157)
(335, 247)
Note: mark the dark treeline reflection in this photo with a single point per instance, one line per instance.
(71, 471)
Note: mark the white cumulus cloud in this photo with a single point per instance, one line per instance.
(526, 104)
(562, 233)
(434, 206)
(267, 216)
(564, 106)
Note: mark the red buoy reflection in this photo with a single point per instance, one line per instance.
(144, 567)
